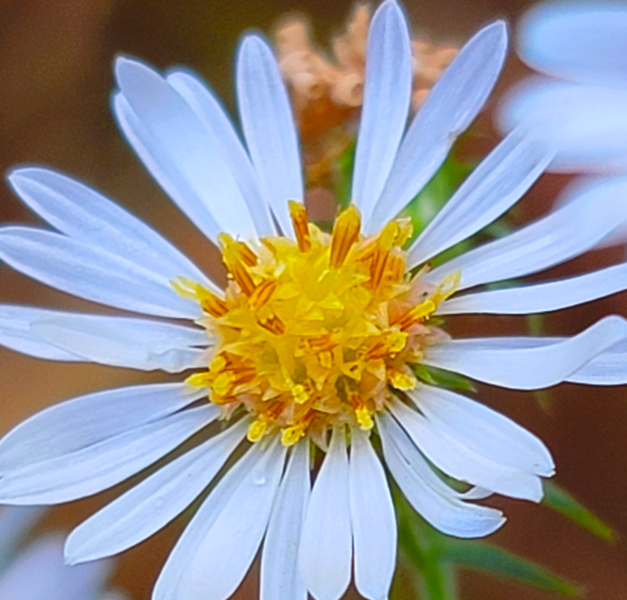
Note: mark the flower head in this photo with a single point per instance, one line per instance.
(317, 341)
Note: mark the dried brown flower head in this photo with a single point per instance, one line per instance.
(327, 89)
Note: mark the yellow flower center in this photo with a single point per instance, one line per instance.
(318, 331)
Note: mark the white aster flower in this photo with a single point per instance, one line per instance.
(578, 101)
(313, 340)
(37, 571)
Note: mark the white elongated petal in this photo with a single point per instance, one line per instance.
(386, 104)
(279, 560)
(325, 553)
(153, 503)
(589, 184)
(219, 126)
(225, 554)
(104, 464)
(38, 573)
(82, 422)
(585, 125)
(171, 180)
(450, 108)
(182, 151)
(490, 190)
(269, 127)
(608, 368)
(542, 297)
(555, 238)
(167, 586)
(125, 342)
(439, 504)
(483, 430)
(527, 368)
(16, 333)
(87, 216)
(581, 41)
(89, 272)
(461, 462)
(372, 519)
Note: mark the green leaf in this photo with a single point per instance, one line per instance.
(343, 176)
(436, 557)
(433, 577)
(442, 378)
(562, 502)
(423, 570)
(496, 561)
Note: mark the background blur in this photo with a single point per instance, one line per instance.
(55, 81)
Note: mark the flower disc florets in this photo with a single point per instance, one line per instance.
(315, 332)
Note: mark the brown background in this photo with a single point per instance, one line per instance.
(55, 80)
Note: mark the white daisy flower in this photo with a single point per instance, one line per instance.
(315, 339)
(577, 101)
(37, 572)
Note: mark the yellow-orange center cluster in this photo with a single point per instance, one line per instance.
(316, 331)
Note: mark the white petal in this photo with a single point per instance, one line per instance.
(102, 465)
(16, 333)
(592, 184)
(372, 519)
(153, 503)
(608, 368)
(88, 420)
(483, 430)
(527, 368)
(555, 238)
(183, 157)
(386, 104)
(439, 504)
(269, 127)
(85, 215)
(38, 573)
(223, 557)
(279, 560)
(210, 112)
(450, 108)
(91, 273)
(459, 461)
(542, 297)
(490, 190)
(582, 41)
(125, 342)
(586, 126)
(325, 553)
(167, 585)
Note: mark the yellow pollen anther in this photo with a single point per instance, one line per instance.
(364, 418)
(213, 305)
(237, 256)
(262, 294)
(401, 380)
(199, 380)
(300, 393)
(301, 225)
(273, 324)
(257, 429)
(345, 234)
(416, 315)
(291, 435)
